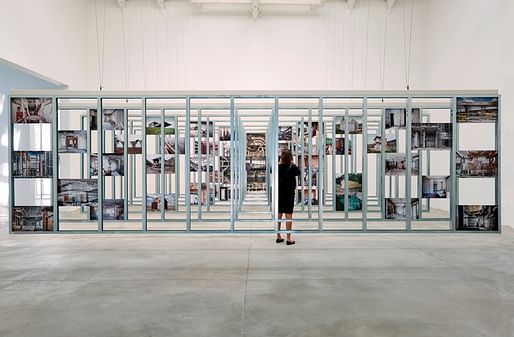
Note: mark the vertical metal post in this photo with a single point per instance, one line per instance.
(334, 173)
(125, 165)
(321, 166)
(365, 164)
(163, 160)
(232, 163)
(274, 158)
(143, 161)
(498, 194)
(454, 192)
(101, 192)
(55, 162)
(408, 173)
(309, 166)
(187, 164)
(10, 165)
(346, 150)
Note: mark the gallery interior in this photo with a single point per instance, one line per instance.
(142, 145)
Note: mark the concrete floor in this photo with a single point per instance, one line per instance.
(246, 285)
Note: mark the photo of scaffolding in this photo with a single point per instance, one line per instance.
(224, 134)
(77, 192)
(476, 164)
(375, 142)
(154, 202)
(31, 110)
(154, 125)
(396, 164)
(354, 192)
(435, 186)
(477, 109)
(73, 141)
(32, 164)
(206, 146)
(397, 118)
(431, 136)
(113, 209)
(396, 209)
(206, 163)
(32, 219)
(134, 146)
(154, 162)
(285, 133)
(354, 125)
(113, 165)
(112, 119)
(477, 218)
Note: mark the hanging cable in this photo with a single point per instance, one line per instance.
(125, 63)
(366, 48)
(167, 26)
(386, 16)
(143, 44)
(353, 48)
(156, 46)
(407, 49)
(100, 50)
(343, 46)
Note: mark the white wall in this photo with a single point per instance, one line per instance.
(47, 37)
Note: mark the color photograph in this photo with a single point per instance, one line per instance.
(396, 164)
(113, 165)
(77, 192)
(435, 186)
(73, 141)
(396, 209)
(477, 109)
(112, 119)
(354, 125)
(113, 209)
(134, 146)
(375, 143)
(477, 218)
(206, 130)
(154, 125)
(476, 164)
(224, 134)
(154, 202)
(31, 110)
(205, 163)
(339, 146)
(154, 162)
(354, 192)
(32, 164)
(397, 118)
(32, 219)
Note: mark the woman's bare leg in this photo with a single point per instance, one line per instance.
(289, 225)
(279, 223)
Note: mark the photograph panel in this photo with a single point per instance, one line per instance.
(477, 218)
(31, 110)
(112, 119)
(154, 161)
(113, 165)
(32, 219)
(32, 164)
(477, 109)
(476, 164)
(77, 192)
(113, 209)
(396, 164)
(154, 125)
(396, 208)
(73, 141)
(431, 136)
(206, 129)
(435, 186)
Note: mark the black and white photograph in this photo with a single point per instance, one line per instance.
(435, 186)
(32, 219)
(32, 164)
(397, 118)
(154, 125)
(31, 110)
(256, 145)
(73, 141)
(206, 146)
(396, 208)
(255, 164)
(285, 133)
(431, 136)
(376, 141)
(206, 130)
(77, 192)
(396, 164)
(134, 145)
(256, 180)
(154, 162)
(477, 109)
(476, 164)
(113, 209)
(354, 125)
(154, 202)
(112, 119)
(113, 164)
(224, 133)
(477, 218)
(207, 163)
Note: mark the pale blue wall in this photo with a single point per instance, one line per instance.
(14, 77)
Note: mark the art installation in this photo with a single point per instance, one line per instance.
(476, 164)
(477, 218)
(73, 141)
(477, 109)
(31, 110)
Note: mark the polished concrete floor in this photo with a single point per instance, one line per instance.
(246, 285)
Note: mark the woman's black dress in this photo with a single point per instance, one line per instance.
(286, 187)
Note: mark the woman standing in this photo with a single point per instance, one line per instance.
(287, 173)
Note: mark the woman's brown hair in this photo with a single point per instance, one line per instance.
(286, 157)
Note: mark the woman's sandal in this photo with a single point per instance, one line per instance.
(279, 240)
(290, 243)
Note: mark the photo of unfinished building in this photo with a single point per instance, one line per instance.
(154, 163)
(31, 110)
(396, 164)
(73, 141)
(396, 209)
(397, 118)
(431, 136)
(154, 202)
(285, 133)
(477, 109)
(32, 164)
(376, 141)
(354, 125)
(113, 209)
(32, 219)
(476, 164)
(435, 186)
(477, 218)
(112, 119)
(113, 165)
(77, 192)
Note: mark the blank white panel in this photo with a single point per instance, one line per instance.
(476, 191)
(439, 163)
(32, 137)
(475, 136)
(33, 192)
